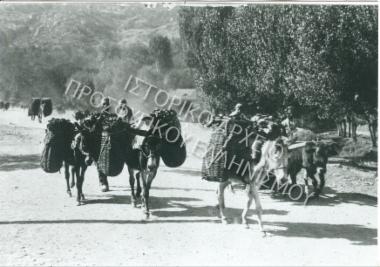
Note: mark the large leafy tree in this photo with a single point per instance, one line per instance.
(314, 57)
(319, 59)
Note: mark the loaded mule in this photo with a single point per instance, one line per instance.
(156, 141)
(234, 162)
(63, 147)
(313, 157)
(109, 142)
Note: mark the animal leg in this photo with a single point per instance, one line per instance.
(148, 179)
(315, 184)
(145, 194)
(259, 209)
(221, 204)
(321, 176)
(247, 205)
(132, 185)
(72, 184)
(79, 182)
(82, 172)
(67, 177)
(138, 190)
(306, 185)
(293, 178)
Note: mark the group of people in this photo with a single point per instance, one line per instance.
(123, 112)
(39, 108)
(4, 105)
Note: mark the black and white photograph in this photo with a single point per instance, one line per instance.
(188, 133)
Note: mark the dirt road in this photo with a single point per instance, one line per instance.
(41, 225)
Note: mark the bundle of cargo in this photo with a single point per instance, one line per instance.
(167, 126)
(214, 161)
(47, 106)
(57, 145)
(229, 153)
(115, 144)
(173, 154)
(34, 107)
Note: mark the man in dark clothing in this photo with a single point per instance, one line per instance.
(106, 105)
(124, 112)
(105, 111)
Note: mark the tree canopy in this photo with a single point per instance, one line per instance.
(316, 58)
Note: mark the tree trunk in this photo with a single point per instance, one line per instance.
(157, 69)
(372, 127)
(349, 124)
(339, 128)
(354, 127)
(344, 128)
(372, 132)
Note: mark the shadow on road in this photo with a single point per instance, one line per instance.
(357, 234)
(19, 162)
(169, 207)
(339, 198)
(207, 211)
(354, 163)
(189, 189)
(330, 197)
(76, 221)
(196, 173)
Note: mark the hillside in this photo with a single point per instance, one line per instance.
(43, 46)
(28, 25)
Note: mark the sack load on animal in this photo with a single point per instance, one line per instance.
(52, 156)
(228, 146)
(167, 126)
(213, 163)
(34, 107)
(168, 120)
(173, 154)
(59, 134)
(116, 142)
(47, 106)
(111, 156)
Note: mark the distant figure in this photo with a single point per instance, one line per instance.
(34, 108)
(288, 123)
(237, 113)
(7, 105)
(46, 107)
(124, 112)
(106, 106)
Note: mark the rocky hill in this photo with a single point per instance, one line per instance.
(43, 46)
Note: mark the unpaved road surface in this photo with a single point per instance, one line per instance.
(41, 225)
